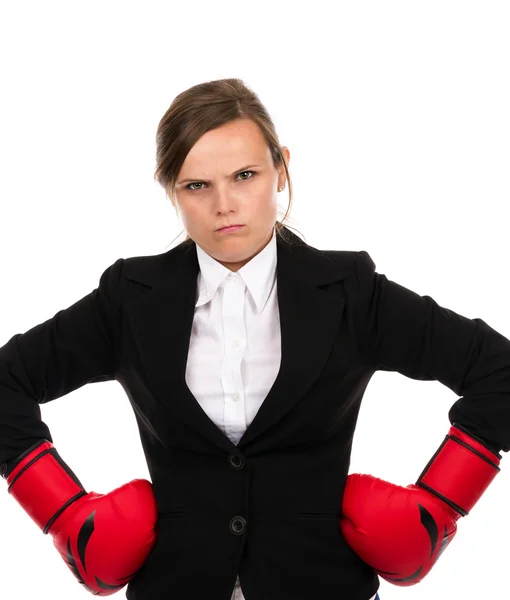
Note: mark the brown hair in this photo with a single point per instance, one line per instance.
(204, 107)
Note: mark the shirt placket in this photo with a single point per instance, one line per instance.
(234, 344)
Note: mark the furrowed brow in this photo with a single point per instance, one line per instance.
(205, 181)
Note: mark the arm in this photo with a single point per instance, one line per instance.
(103, 538)
(401, 531)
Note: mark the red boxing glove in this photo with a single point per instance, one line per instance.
(400, 532)
(103, 538)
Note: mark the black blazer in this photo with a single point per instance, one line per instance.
(269, 506)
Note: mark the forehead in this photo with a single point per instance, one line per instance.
(235, 142)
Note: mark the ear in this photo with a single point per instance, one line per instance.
(282, 177)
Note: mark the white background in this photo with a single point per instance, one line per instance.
(396, 116)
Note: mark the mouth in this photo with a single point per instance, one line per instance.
(231, 228)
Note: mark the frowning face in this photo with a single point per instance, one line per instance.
(228, 177)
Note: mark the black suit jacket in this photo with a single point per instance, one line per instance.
(268, 507)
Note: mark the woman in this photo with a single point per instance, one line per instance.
(245, 354)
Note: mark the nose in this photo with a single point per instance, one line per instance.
(225, 200)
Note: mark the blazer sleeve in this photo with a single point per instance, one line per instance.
(75, 347)
(405, 332)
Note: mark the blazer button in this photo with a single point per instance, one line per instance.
(237, 525)
(235, 461)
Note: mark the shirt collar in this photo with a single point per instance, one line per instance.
(258, 274)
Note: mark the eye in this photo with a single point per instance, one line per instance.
(201, 182)
(247, 172)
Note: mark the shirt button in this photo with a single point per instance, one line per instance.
(235, 396)
(235, 343)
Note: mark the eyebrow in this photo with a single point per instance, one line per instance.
(205, 181)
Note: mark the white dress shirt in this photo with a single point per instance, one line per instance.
(235, 347)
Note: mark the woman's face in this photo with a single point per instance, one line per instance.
(227, 178)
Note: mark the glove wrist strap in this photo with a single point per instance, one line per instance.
(461, 470)
(43, 484)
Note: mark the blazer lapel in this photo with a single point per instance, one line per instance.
(161, 318)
